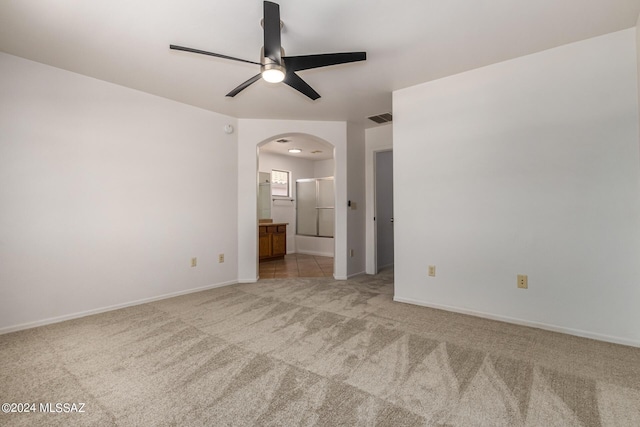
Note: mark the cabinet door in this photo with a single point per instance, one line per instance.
(279, 244)
(265, 245)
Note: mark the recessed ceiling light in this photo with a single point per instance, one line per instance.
(295, 150)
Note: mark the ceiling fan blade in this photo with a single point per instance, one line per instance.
(244, 85)
(306, 62)
(293, 80)
(203, 52)
(271, 24)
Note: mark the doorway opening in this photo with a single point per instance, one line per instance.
(283, 163)
(384, 234)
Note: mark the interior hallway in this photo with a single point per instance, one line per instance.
(297, 265)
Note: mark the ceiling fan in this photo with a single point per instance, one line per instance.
(274, 65)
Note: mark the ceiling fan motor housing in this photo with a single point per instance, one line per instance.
(271, 70)
(270, 64)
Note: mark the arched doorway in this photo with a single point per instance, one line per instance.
(296, 191)
(254, 133)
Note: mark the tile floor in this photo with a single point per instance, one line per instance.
(297, 265)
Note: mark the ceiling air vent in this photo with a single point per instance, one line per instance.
(282, 141)
(382, 118)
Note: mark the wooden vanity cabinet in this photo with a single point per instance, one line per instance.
(272, 241)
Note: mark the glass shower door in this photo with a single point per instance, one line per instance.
(325, 202)
(306, 195)
(315, 200)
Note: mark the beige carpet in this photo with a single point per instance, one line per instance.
(313, 352)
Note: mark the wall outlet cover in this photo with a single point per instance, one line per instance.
(523, 281)
(432, 270)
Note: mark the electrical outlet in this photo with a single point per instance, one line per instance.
(523, 281)
(351, 253)
(221, 258)
(354, 206)
(432, 270)
(194, 262)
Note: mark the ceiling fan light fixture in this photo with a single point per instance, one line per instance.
(273, 59)
(273, 73)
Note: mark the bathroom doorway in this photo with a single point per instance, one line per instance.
(293, 159)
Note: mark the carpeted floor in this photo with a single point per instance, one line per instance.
(313, 351)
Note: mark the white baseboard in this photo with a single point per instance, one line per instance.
(58, 319)
(516, 321)
(355, 274)
(316, 253)
(340, 277)
(373, 272)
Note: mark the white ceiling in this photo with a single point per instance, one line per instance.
(407, 42)
(312, 148)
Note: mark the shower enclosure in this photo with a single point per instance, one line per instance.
(264, 195)
(315, 207)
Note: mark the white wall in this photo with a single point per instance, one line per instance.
(529, 166)
(319, 246)
(638, 55)
(323, 168)
(376, 139)
(284, 210)
(252, 132)
(356, 194)
(106, 193)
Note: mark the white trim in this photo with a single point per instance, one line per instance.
(315, 253)
(356, 274)
(58, 319)
(545, 326)
(340, 277)
(248, 280)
